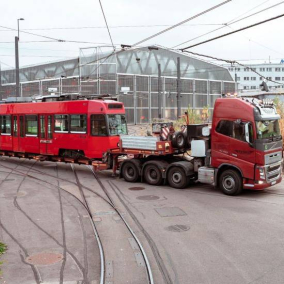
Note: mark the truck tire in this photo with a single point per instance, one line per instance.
(178, 140)
(230, 182)
(130, 172)
(177, 178)
(153, 175)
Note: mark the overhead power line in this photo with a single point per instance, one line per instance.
(181, 23)
(55, 39)
(106, 24)
(230, 23)
(232, 62)
(233, 32)
(111, 27)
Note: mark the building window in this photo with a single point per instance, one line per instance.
(268, 69)
(78, 123)
(269, 78)
(282, 69)
(253, 69)
(31, 125)
(246, 69)
(246, 78)
(237, 69)
(282, 78)
(238, 78)
(277, 78)
(246, 87)
(5, 124)
(61, 123)
(253, 87)
(262, 69)
(277, 69)
(260, 78)
(98, 125)
(253, 78)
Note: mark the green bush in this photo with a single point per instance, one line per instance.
(3, 248)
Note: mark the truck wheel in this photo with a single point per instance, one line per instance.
(177, 178)
(230, 182)
(153, 175)
(130, 172)
(178, 140)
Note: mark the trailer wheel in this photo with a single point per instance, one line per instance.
(153, 175)
(230, 182)
(177, 178)
(130, 172)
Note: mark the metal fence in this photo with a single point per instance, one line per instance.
(141, 97)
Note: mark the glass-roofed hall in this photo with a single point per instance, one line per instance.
(132, 75)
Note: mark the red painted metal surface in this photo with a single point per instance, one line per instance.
(92, 146)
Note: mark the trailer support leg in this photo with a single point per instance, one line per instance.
(114, 166)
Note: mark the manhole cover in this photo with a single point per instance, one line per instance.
(177, 228)
(148, 197)
(136, 188)
(45, 258)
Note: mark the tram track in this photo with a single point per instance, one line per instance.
(108, 200)
(79, 265)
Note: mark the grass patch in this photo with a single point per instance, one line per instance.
(3, 249)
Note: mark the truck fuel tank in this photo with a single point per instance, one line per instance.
(206, 175)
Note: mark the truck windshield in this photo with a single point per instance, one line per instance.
(117, 124)
(267, 129)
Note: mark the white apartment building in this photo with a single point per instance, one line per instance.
(248, 81)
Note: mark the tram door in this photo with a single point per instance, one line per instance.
(45, 134)
(15, 133)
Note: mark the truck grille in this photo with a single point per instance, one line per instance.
(273, 172)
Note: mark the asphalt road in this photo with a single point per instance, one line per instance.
(196, 235)
(204, 236)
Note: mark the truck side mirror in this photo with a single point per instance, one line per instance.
(247, 134)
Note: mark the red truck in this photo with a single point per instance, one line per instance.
(242, 150)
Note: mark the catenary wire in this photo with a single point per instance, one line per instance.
(230, 23)
(232, 62)
(181, 23)
(236, 31)
(107, 24)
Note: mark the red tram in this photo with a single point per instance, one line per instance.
(81, 128)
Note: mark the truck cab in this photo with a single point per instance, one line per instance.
(246, 144)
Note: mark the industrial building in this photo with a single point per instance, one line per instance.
(249, 81)
(132, 75)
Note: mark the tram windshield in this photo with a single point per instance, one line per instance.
(117, 124)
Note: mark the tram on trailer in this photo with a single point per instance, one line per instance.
(59, 127)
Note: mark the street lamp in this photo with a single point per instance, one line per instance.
(18, 20)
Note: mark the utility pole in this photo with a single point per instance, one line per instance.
(159, 92)
(236, 82)
(0, 83)
(178, 88)
(17, 38)
(17, 67)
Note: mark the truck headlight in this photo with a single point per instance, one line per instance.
(261, 172)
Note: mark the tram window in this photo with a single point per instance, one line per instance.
(31, 125)
(42, 126)
(78, 123)
(15, 126)
(49, 127)
(98, 125)
(6, 124)
(22, 130)
(61, 123)
(117, 124)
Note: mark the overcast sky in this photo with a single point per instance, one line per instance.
(83, 21)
